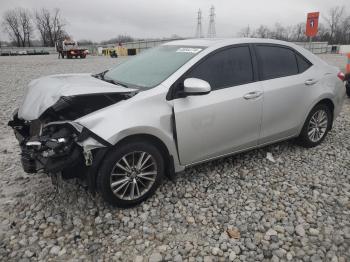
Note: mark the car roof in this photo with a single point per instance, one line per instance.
(215, 43)
(211, 42)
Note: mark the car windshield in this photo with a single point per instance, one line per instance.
(151, 67)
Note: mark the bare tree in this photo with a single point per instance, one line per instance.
(245, 32)
(262, 32)
(25, 21)
(299, 32)
(336, 29)
(279, 32)
(50, 26)
(18, 24)
(11, 26)
(118, 39)
(346, 29)
(333, 21)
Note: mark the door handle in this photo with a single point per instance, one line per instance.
(252, 95)
(310, 82)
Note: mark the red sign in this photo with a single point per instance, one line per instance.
(312, 24)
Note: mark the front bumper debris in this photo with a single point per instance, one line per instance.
(54, 147)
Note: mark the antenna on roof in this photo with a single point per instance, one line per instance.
(211, 29)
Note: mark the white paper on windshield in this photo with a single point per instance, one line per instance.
(188, 50)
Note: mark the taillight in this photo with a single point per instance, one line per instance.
(341, 76)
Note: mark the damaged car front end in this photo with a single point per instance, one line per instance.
(50, 138)
(50, 148)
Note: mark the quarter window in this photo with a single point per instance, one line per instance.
(276, 62)
(303, 64)
(226, 68)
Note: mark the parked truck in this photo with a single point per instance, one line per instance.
(69, 49)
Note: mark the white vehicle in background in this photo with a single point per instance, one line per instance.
(174, 106)
(22, 52)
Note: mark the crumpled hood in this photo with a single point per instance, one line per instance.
(44, 92)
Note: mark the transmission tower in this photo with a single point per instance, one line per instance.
(211, 29)
(199, 32)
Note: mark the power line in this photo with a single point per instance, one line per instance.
(199, 31)
(211, 29)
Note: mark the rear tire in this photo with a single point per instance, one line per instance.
(130, 173)
(316, 126)
(348, 88)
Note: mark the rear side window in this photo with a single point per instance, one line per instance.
(275, 61)
(226, 68)
(303, 64)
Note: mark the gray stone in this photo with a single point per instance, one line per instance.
(47, 232)
(138, 259)
(299, 229)
(314, 232)
(178, 258)
(280, 252)
(155, 257)
(28, 253)
(55, 250)
(232, 256)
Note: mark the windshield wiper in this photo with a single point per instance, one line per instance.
(102, 77)
(115, 82)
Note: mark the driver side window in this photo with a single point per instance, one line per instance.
(225, 68)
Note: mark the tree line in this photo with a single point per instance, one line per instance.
(335, 29)
(21, 25)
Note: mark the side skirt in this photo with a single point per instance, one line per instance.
(239, 151)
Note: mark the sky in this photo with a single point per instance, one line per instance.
(104, 19)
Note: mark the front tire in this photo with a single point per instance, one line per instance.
(130, 173)
(316, 126)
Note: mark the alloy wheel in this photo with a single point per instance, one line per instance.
(318, 126)
(133, 175)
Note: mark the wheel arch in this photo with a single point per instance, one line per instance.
(147, 138)
(161, 145)
(100, 154)
(322, 100)
(329, 103)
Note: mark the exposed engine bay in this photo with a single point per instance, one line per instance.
(50, 144)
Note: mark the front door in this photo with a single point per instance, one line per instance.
(227, 119)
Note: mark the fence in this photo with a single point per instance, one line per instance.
(22, 50)
(315, 47)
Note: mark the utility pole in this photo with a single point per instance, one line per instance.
(211, 29)
(199, 31)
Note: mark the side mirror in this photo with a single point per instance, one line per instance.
(195, 86)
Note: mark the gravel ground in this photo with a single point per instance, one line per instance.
(293, 206)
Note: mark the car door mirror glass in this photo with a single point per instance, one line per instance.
(195, 86)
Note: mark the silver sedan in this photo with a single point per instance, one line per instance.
(174, 106)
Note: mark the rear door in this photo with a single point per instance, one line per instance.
(228, 118)
(287, 80)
